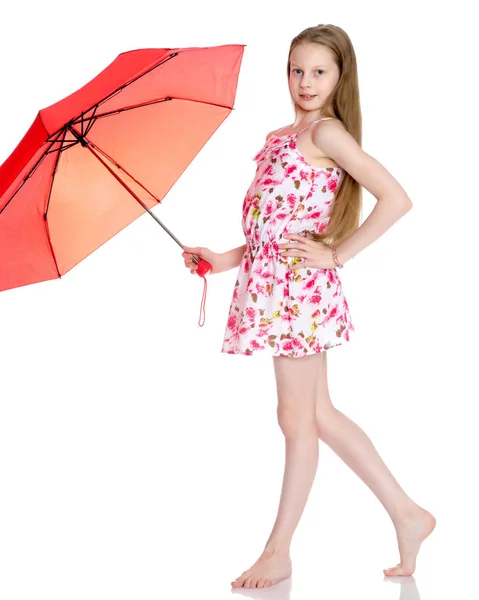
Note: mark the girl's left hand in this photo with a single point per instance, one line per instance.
(317, 254)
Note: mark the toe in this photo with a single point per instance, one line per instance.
(398, 570)
(390, 570)
(260, 583)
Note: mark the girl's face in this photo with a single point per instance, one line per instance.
(313, 75)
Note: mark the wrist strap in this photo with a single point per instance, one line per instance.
(203, 303)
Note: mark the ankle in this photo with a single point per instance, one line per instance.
(276, 549)
(406, 512)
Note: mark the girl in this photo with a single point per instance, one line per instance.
(308, 181)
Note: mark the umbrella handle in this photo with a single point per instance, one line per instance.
(203, 269)
(204, 266)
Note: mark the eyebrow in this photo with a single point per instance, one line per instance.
(313, 67)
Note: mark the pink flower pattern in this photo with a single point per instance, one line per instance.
(276, 309)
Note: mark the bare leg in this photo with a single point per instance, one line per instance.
(412, 523)
(296, 381)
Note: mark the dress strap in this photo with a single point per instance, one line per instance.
(280, 129)
(317, 121)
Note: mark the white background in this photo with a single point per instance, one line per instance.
(136, 460)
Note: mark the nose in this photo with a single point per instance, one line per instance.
(305, 83)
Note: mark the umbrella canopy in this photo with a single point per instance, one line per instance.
(91, 164)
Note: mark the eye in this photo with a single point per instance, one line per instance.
(317, 70)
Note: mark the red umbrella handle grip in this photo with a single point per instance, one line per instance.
(203, 269)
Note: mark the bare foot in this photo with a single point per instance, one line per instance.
(411, 531)
(270, 568)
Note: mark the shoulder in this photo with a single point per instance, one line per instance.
(338, 144)
(274, 132)
(270, 134)
(332, 137)
(327, 128)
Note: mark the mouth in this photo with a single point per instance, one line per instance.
(307, 96)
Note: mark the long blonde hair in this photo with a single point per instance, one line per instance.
(343, 104)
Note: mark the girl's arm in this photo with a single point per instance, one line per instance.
(392, 201)
(232, 258)
(386, 212)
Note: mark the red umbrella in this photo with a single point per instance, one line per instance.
(92, 163)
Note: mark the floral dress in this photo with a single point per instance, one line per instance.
(274, 308)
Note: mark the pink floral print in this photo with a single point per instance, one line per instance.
(274, 308)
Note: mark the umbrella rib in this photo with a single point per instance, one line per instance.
(47, 207)
(89, 145)
(95, 106)
(117, 91)
(53, 138)
(122, 87)
(112, 160)
(133, 106)
(33, 169)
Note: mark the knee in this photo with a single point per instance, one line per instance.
(326, 418)
(294, 423)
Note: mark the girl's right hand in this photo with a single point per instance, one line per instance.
(215, 260)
